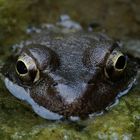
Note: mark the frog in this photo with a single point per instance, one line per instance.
(63, 72)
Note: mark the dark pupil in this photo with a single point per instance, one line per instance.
(21, 68)
(121, 62)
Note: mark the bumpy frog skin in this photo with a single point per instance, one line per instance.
(63, 74)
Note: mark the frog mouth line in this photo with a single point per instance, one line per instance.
(116, 100)
(120, 94)
(24, 95)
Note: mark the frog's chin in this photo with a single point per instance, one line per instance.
(23, 94)
(122, 93)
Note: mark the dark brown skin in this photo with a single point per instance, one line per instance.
(74, 76)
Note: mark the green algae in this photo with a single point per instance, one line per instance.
(120, 123)
(17, 119)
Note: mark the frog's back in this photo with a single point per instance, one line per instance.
(71, 50)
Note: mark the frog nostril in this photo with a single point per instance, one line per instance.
(54, 84)
(121, 62)
(21, 67)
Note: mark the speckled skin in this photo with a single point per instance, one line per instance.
(73, 81)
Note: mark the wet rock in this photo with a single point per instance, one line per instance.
(132, 47)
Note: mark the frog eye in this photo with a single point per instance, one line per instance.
(116, 64)
(26, 69)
